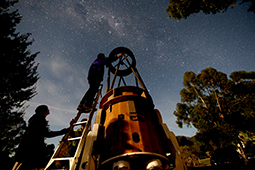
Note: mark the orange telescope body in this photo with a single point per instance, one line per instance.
(129, 132)
(131, 124)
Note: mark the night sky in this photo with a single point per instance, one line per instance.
(70, 34)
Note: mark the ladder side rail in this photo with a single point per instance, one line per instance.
(82, 139)
(81, 144)
(94, 106)
(72, 126)
(65, 137)
(63, 141)
(79, 148)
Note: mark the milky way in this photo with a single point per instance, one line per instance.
(69, 35)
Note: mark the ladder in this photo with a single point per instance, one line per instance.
(68, 154)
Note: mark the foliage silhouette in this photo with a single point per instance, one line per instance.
(183, 9)
(219, 108)
(17, 81)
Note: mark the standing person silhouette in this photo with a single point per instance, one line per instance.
(31, 152)
(95, 77)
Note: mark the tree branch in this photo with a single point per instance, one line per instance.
(199, 96)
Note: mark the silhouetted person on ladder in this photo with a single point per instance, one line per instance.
(95, 77)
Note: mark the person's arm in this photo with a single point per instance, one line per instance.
(107, 62)
(50, 134)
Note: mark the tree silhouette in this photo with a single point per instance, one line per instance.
(221, 109)
(183, 9)
(18, 76)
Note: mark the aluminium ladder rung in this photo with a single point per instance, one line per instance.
(71, 139)
(62, 159)
(73, 161)
(79, 123)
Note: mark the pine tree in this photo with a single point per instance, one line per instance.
(18, 76)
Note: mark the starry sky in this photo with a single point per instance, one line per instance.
(70, 34)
